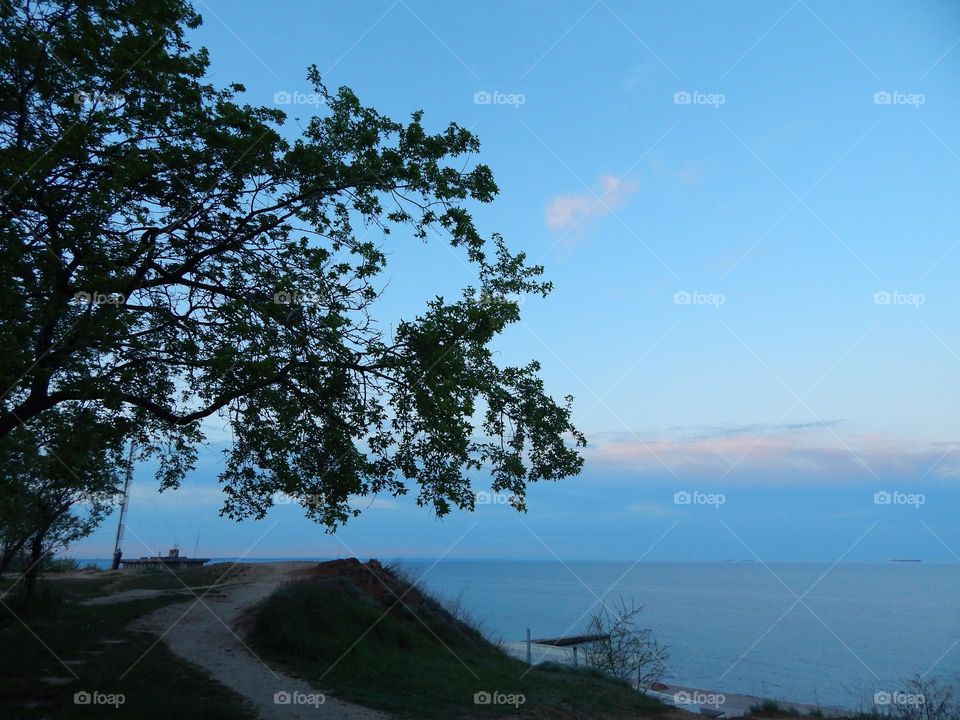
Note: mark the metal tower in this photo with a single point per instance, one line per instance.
(123, 510)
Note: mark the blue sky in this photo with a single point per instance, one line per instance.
(749, 212)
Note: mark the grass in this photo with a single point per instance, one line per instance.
(93, 583)
(159, 686)
(773, 707)
(61, 564)
(422, 665)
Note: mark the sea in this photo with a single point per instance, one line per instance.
(826, 634)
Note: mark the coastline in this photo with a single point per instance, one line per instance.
(693, 699)
(732, 705)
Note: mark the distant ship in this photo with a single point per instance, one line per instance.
(903, 560)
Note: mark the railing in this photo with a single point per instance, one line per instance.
(568, 641)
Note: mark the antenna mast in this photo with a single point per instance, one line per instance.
(123, 509)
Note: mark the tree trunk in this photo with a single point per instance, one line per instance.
(33, 569)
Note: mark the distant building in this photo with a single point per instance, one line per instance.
(173, 560)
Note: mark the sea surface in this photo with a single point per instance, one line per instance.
(812, 633)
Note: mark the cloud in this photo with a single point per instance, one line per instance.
(565, 211)
(715, 431)
(790, 453)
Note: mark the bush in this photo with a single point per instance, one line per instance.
(925, 700)
(769, 706)
(63, 564)
(626, 652)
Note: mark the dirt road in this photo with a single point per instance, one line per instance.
(205, 632)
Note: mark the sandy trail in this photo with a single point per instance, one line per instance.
(206, 634)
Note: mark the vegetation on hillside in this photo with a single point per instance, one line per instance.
(381, 642)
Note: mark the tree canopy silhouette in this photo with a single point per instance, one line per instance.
(169, 254)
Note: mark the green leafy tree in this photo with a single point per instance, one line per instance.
(167, 252)
(59, 477)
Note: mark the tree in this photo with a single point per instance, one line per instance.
(625, 651)
(922, 699)
(58, 479)
(167, 252)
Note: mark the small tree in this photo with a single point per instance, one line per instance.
(925, 699)
(626, 651)
(58, 480)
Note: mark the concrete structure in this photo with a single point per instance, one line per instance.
(570, 641)
(173, 560)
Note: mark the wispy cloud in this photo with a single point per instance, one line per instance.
(564, 211)
(696, 432)
(795, 452)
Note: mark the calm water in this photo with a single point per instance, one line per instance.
(736, 627)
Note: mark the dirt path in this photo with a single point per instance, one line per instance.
(142, 594)
(206, 634)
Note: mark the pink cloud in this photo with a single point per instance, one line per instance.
(564, 211)
(808, 455)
